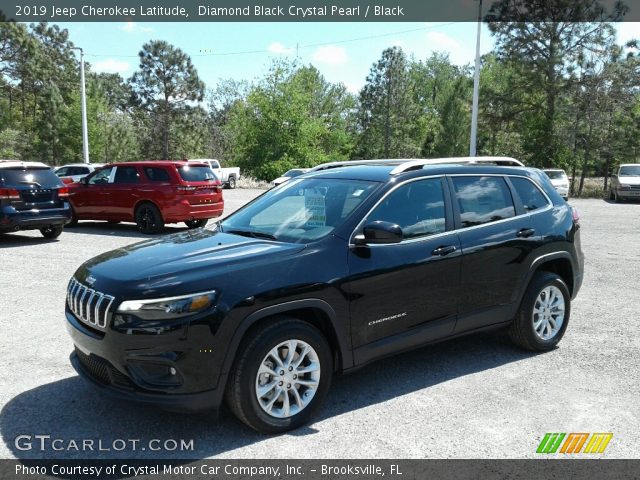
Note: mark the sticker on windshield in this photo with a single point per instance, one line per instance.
(314, 204)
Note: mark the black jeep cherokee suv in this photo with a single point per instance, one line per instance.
(327, 272)
(32, 197)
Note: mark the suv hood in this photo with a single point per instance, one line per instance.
(198, 258)
(631, 180)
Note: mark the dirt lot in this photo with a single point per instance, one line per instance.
(474, 397)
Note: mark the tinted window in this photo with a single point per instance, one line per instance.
(100, 177)
(126, 175)
(418, 207)
(40, 177)
(156, 174)
(531, 196)
(630, 171)
(61, 172)
(78, 171)
(555, 174)
(483, 200)
(196, 174)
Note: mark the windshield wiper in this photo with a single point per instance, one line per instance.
(252, 234)
(31, 183)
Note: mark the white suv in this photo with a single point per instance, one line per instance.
(626, 183)
(559, 180)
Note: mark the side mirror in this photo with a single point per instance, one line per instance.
(379, 233)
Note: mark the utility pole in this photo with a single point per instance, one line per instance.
(83, 95)
(476, 88)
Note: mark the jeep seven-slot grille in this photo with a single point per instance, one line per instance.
(88, 305)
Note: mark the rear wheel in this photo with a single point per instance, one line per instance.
(149, 219)
(543, 315)
(51, 231)
(74, 220)
(196, 223)
(282, 375)
(232, 182)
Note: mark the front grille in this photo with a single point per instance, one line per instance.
(634, 187)
(88, 305)
(102, 371)
(97, 367)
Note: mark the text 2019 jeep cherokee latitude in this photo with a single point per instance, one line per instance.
(323, 274)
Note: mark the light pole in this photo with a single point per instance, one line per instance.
(83, 95)
(476, 88)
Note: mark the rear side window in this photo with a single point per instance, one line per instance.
(156, 174)
(196, 174)
(40, 177)
(483, 200)
(417, 207)
(530, 195)
(126, 175)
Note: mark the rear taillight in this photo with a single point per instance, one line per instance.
(9, 194)
(67, 180)
(575, 215)
(63, 192)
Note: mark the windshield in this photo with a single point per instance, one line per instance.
(630, 171)
(302, 210)
(555, 174)
(196, 174)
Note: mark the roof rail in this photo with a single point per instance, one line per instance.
(353, 163)
(420, 163)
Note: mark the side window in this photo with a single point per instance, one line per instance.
(126, 175)
(63, 172)
(100, 177)
(417, 207)
(156, 174)
(483, 200)
(531, 196)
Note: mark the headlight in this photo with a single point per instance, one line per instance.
(170, 307)
(623, 186)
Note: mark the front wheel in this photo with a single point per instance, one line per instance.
(282, 375)
(149, 219)
(196, 223)
(543, 315)
(51, 231)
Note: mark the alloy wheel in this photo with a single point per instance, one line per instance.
(548, 312)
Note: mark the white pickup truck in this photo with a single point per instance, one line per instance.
(228, 176)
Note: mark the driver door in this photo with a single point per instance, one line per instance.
(88, 199)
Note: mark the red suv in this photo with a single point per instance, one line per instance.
(150, 193)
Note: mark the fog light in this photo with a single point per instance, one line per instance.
(172, 371)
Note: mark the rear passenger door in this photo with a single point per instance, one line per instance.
(405, 294)
(497, 237)
(122, 193)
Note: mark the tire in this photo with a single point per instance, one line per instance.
(544, 287)
(51, 231)
(232, 182)
(242, 394)
(611, 195)
(616, 197)
(74, 220)
(196, 223)
(149, 219)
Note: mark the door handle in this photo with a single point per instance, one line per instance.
(443, 251)
(525, 232)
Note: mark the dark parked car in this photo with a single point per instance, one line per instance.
(32, 197)
(323, 274)
(151, 194)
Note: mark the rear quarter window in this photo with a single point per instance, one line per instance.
(42, 177)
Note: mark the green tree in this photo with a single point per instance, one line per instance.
(165, 82)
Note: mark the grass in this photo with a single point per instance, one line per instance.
(592, 188)
(250, 182)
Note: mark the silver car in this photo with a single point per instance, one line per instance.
(559, 180)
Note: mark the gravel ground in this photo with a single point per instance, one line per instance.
(476, 397)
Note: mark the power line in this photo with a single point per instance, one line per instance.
(310, 45)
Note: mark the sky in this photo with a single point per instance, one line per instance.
(343, 52)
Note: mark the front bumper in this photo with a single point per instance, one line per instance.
(165, 370)
(633, 193)
(14, 220)
(185, 403)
